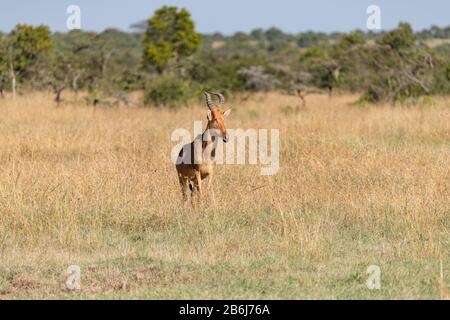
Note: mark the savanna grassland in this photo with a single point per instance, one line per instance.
(95, 187)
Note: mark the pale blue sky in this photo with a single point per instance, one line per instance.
(229, 16)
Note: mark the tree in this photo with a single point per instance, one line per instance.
(170, 36)
(258, 34)
(401, 38)
(26, 44)
(399, 69)
(277, 39)
(324, 70)
(56, 74)
(167, 90)
(348, 41)
(256, 79)
(3, 63)
(349, 53)
(74, 51)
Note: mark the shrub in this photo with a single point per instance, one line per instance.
(401, 38)
(256, 80)
(312, 53)
(167, 90)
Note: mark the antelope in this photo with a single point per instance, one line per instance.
(196, 160)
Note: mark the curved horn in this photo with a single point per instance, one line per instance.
(221, 98)
(209, 102)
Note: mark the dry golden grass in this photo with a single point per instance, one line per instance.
(432, 43)
(95, 187)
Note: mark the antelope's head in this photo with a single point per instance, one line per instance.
(216, 114)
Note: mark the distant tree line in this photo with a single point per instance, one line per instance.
(167, 59)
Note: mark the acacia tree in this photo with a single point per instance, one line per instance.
(170, 36)
(391, 69)
(402, 38)
(56, 75)
(400, 69)
(323, 69)
(25, 45)
(73, 56)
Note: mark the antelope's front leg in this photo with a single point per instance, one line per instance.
(184, 183)
(198, 185)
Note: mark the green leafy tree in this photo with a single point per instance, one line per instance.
(401, 38)
(74, 57)
(26, 44)
(350, 40)
(398, 69)
(277, 39)
(3, 63)
(349, 53)
(167, 90)
(170, 36)
(323, 68)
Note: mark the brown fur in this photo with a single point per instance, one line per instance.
(191, 174)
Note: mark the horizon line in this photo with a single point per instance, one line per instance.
(211, 33)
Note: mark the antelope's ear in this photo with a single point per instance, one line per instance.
(209, 115)
(227, 113)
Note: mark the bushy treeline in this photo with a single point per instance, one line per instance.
(172, 63)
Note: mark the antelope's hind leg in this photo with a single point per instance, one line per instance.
(210, 189)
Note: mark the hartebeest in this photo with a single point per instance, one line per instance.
(196, 160)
